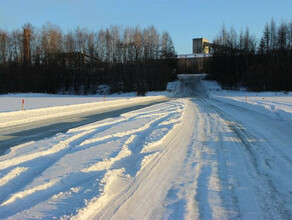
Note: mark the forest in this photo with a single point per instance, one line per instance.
(241, 60)
(50, 60)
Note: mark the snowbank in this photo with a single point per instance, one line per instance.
(274, 104)
(13, 101)
(33, 115)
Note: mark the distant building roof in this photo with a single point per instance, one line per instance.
(194, 55)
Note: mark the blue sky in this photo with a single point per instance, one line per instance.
(183, 19)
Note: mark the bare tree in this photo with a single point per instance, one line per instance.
(108, 46)
(233, 39)
(81, 35)
(266, 38)
(241, 40)
(154, 43)
(37, 51)
(15, 46)
(167, 48)
(116, 44)
(126, 44)
(138, 43)
(51, 39)
(273, 37)
(146, 43)
(101, 46)
(69, 42)
(4, 41)
(91, 44)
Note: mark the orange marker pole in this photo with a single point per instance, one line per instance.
(22, 104)
(104, 97)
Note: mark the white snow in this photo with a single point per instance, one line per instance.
(12, 174)
(275, 104)
(27, 192)
(21, 117)
(13, 102)
(97, 158)
(187, 158)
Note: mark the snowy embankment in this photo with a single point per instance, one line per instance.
(77, 173)
(13, 102)
(275, 104)
(34, 115)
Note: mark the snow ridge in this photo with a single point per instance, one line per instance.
(94, 159)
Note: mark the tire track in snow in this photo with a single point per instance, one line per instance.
(12, 174)
(217, 141)
(55, 187)
(86, 132)
(28, 192)
(58, 150)
(238, 176)
(107, 163)
(207, 186)
(118, 165)
(208, 189)
(180, 201)
(170, 106)
(272, 204)
(22, 202)
(282, 151)
(67, 144)
(93, 141)
(136, 187)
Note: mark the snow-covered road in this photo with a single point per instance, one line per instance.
(18, 127)
(189, 158)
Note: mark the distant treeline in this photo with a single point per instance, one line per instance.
(128, 59)
(243, 61)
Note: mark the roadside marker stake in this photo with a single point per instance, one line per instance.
(22, 104)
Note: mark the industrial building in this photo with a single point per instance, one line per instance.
(201, 45)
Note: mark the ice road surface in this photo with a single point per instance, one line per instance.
(188, 158)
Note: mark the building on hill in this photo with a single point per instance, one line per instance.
(201, 45)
